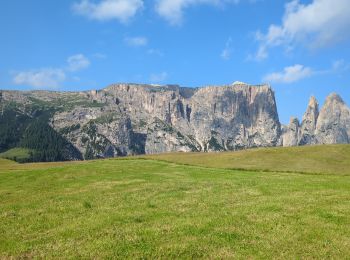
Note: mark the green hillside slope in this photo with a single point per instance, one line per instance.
(332, 159)
(16, 154)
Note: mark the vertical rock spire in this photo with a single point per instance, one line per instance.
(308, 125)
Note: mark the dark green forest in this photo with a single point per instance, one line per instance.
(34, 133)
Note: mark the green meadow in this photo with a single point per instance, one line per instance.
(16, 154)
(281, 203)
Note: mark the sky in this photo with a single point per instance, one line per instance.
(301, 48)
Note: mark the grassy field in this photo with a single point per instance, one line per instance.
(330, 159)
(146, 208)
(16, 154)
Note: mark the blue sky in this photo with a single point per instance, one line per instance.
(300, 47)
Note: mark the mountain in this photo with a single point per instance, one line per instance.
(130, 119)
(331, 125)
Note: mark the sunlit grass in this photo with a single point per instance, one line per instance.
(137, 208)
(330, 159)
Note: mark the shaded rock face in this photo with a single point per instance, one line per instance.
(308, 125)
(125, 119)
(291, 133)
(331, 125)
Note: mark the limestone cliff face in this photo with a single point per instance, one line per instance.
(125, 119)
(204, 119)
(234, 117)
(331, 125)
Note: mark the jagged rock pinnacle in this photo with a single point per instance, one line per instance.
(313, 102)
(334, 97)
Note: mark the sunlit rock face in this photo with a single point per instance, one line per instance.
(331, 125)
(212, 118)
(308, 125)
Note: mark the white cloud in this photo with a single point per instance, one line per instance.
(172, 10)
(51, 78)
(317, 24)
(77, 62)
(158, 78)
(136, 41)
(298, 72)
(227, 51)
(43, 78)
(121, 10)
(340, 66)
(261, 53)
(289, 74)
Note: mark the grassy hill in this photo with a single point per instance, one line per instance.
(16, 154)
(330, 159)
(146, 208)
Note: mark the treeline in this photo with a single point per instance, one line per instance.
(45, 144)
(12, 127)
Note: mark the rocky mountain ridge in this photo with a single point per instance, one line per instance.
(330, 125)
(127, 119)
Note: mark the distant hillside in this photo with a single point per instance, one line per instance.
(332, 159)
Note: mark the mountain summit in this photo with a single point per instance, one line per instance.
(127, 119)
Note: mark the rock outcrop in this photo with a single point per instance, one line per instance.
(308, 125)
(331, 125)
(291, 133)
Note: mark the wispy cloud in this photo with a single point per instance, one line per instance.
(121, 10)
(136, 41)
(159, 77)
(42, 78)
(227, 51)
(172, 10)
(340, 66)
(155, 52)
(298, 72)
(99, 56)
(289, 74)
(77, 62)
(317, 24)
(51, 78)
